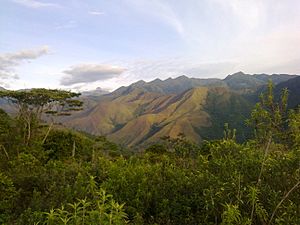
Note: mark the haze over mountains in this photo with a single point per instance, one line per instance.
(144, 112)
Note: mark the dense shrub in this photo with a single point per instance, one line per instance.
(72, 178)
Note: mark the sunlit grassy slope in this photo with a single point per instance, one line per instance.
(141, 117)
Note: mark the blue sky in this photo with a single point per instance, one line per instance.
(82, 45)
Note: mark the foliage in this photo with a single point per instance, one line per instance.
(73, 178)
(294, 125)
(40, 100)
(62, 144)
(6, 128)
(8, 194)
(32, 104)
(270, 118)
(101, 210)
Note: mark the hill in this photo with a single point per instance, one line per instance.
(141, 117)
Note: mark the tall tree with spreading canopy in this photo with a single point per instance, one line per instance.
(32, 104)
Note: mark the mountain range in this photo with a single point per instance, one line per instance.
(142, 113)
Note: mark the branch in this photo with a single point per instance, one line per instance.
(282, 200)
(6, 153)
(47, 134)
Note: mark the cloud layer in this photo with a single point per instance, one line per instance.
(88, 73)
(9, 61)
(35, 4)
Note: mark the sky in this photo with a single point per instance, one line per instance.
(84, 44)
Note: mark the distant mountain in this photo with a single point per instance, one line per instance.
(97, 92)
(247, 82)
(240, 82)
(275, 78)
(5, 105)
(170, 85)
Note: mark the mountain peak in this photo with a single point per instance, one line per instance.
(139, 83)
(237, 75)
(240, 73)
(182, 77)
(157, 80)
(96, 92)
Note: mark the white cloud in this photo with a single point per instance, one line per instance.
(248, 13)
(96, 13)
(9, 61)
(36, 4)
(88, 73)
(160, 10)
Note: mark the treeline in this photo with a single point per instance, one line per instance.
(52, 175)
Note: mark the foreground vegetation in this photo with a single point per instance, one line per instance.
(51, 175)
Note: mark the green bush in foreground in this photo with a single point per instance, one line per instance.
(101, 210)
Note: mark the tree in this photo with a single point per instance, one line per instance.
(32, 104)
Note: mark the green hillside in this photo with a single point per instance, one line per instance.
(59, 176)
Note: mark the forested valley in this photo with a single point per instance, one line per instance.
(52, 175)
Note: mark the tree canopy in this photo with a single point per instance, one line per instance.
(32, 104)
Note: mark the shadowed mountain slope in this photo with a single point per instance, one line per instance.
(144, 117)
(247, 82)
